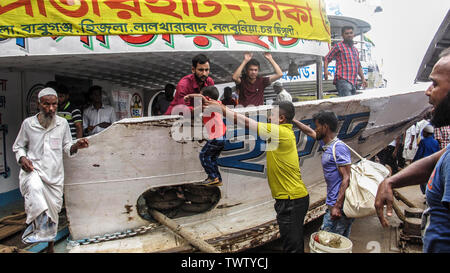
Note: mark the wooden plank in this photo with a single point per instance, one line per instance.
(11, 249)
(13, 217)
(188, 236)
(9, 230)
(12, 224)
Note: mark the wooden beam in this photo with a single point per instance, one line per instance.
(172, 225)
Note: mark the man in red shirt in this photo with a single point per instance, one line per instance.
(348, 66)
(192, 83)
(251, 86)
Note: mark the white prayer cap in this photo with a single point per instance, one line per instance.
(47, 91)
(429, 129)
(277, 83)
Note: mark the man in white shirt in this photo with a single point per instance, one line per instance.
(282, 94)
(97, 117)
(39, 150)
(410, 144)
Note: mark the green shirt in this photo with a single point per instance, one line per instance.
(283, 168)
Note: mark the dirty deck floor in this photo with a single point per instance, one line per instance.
(367, 234)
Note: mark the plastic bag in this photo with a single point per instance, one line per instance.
(328, 239)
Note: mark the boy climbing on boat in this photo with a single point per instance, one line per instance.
(283, 169)
(215, 129)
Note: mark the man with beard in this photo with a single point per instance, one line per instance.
(435, 169)
(336, 169)
(348, 66)
(39, 150)
(192, 83)
(250, 85)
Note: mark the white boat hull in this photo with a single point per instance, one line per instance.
(104, 182)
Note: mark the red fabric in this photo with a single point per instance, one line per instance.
(187, 85)
(347, 62)
(252, 94)
(214, 124)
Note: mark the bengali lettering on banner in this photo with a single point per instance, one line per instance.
(305, 19)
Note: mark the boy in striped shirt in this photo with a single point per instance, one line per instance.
(69, 112)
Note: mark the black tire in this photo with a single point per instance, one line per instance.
(193, 207)
(202, 190)
(155, 196)
(165, 205)
(199, 199)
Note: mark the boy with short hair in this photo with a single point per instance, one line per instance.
(215, 144)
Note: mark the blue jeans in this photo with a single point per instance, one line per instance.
(341, 226)
(208, 157)
(345, 88)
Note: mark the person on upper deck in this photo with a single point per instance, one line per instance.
(192, 83)
(250, 85)
(348, 66)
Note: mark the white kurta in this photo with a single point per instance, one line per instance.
(43, 188)
(408, 154)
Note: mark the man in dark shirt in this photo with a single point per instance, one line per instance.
(228, 97)
(163, 101)
(251, 86)
(68, 111)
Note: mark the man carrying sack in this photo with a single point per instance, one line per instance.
(336, 172)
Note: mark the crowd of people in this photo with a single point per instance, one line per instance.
(43, 138)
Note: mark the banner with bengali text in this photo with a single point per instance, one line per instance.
(305, 19)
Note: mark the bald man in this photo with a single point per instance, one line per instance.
(435, 169)
(38, 147)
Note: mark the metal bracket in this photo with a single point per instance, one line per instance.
(7, 171)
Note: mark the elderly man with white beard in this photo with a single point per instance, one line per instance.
(39, 150)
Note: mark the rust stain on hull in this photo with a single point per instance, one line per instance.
(252, 237)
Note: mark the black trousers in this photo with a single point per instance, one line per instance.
(290, 217)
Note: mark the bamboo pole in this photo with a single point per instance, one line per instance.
(402, 198)
(172, 225)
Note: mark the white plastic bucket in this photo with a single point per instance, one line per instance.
(316, 247)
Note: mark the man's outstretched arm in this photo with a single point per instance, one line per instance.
(414, 174)
(278, 72)
(241, 119)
